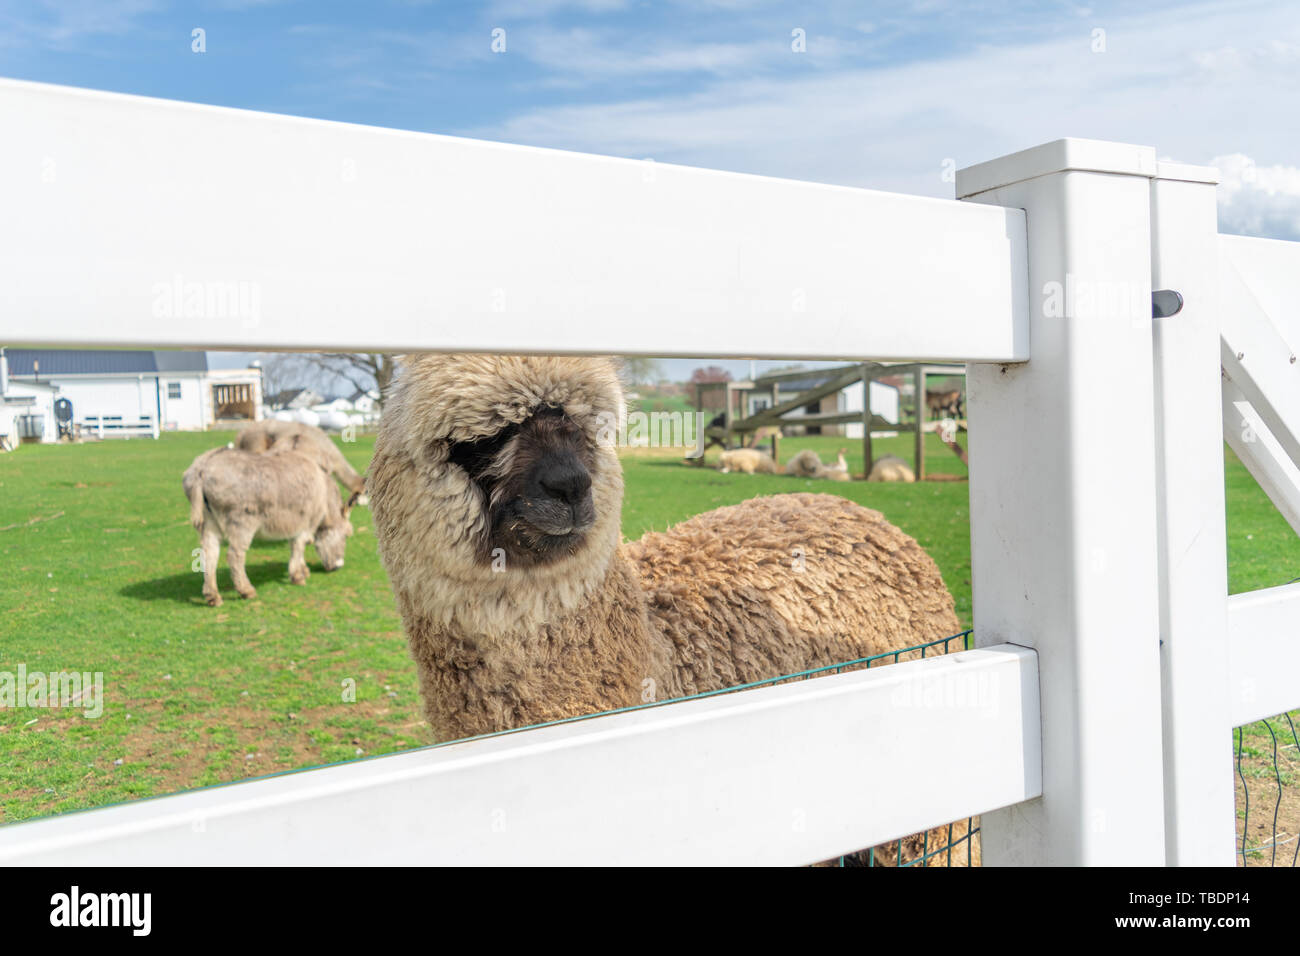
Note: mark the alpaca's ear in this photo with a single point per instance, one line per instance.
(351, 503)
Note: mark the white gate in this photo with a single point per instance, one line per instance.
(1112, 662)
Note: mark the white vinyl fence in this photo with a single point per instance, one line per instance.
(1110, 662)
(115, 426)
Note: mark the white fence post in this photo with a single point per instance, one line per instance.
(1063, 503)
(1199, 807)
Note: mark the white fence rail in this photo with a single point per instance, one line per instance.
(1261, 453)
(1100, 587)
(1260, 328)
(789, 774)
(114, 426)
(221, 228)
(1264, 650)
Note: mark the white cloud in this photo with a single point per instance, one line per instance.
(1258, 200)
(541, 9)
(598, 55)
(1163, 81)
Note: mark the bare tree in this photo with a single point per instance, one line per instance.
(363, 370)
(281, 372)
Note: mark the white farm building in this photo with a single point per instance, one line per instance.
(123, 392)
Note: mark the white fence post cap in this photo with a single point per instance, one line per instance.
(1186, 173)
(1092, 155)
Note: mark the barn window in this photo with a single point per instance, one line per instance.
(173, 389)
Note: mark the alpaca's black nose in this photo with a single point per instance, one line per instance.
(559, 501)
(563, 477)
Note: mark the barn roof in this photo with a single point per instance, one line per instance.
(55, 362)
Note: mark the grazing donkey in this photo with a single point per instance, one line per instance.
(284, 494)
(264, 436)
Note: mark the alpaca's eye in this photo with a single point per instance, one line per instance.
(476, 456)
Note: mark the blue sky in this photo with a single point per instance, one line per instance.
(882, 95)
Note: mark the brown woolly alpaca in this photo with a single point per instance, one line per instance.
(496, 493)
(805, 464)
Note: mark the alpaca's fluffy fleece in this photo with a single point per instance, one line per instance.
(783, 583)
(743, 593)
(891, 468)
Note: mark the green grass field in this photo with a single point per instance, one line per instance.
(97, 574)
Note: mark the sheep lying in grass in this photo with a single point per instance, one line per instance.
(891, 468)
(496, 496)
(808, 464)
(748, 461)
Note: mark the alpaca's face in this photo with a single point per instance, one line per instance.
(496, 487)
(536, 483)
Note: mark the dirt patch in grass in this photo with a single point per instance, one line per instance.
(165, 753)
(252, 742)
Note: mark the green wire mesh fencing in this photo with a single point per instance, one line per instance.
(953, 844)
(1267, 754)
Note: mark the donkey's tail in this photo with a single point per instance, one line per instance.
(194, 491)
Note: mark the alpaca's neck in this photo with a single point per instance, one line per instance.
(563, 662)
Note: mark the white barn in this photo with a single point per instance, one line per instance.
(133, 390)
(884, 402)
